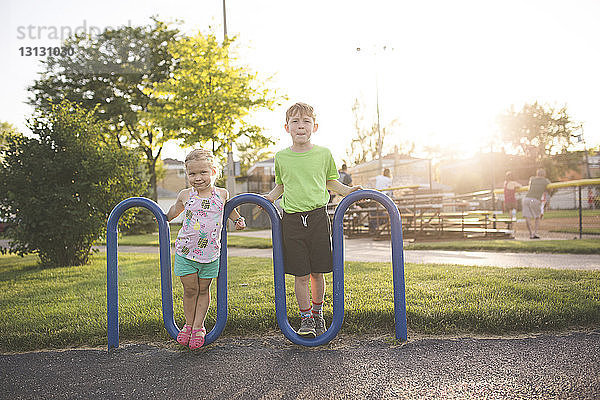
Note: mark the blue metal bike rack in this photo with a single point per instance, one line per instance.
(278, 268)
(397, 259)
(113, 267)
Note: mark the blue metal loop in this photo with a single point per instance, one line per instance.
(278, 268)
(112, 268)
(397, 258)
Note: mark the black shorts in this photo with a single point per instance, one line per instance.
(307, 242)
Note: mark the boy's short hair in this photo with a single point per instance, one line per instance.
(300, 109)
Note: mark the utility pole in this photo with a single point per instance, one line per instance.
(230, 181)
(587, 161)
(379, 138)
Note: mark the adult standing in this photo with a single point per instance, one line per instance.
(532, 203)
(384, 181)
(345, 177)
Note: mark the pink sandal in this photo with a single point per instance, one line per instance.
(183, 337)
(196, 340)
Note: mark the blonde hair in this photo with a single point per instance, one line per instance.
(300, 109)
(203, 155)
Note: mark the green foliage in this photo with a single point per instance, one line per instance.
(110, 72)
(6, 130)
(541, 133)
(209, 97)
(58, 188)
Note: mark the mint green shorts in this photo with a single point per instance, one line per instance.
(184, 266)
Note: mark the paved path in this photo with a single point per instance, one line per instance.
(559, 366)
(379, 251)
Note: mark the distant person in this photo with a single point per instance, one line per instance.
(345, 177)
(510, 197)
(384, 181)
(543, 205)
(532, 203)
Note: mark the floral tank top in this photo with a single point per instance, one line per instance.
(199, 238)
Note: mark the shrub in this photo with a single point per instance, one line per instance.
(58, 187)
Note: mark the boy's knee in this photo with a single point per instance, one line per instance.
(303, 279)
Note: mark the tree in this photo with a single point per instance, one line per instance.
(6, 130)
(58, 188)
(541, 133)
(209, 97)
(365, 144)
(249, 154)
(111, 71)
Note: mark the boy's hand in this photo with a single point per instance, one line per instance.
(353, 189)
(240, 224)
(269, 198)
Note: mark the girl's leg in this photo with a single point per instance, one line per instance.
(190, 297)
(202, 303)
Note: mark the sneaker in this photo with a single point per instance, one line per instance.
(320, 326)
(307, 328)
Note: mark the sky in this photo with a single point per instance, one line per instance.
(449, 68)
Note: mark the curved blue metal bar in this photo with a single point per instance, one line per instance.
(113, 268)
(278, 272)
(397, 259)
(278, 267)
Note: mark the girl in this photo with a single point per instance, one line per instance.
(510, 198)
(198, 244)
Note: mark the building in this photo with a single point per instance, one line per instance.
(405, 170)
(171, 184)
(261, 176)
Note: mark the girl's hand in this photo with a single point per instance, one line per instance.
(240, 223)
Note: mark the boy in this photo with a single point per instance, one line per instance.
(303, 173)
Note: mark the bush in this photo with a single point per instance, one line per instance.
(58, 188)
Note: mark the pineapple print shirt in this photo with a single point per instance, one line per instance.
(199, 238)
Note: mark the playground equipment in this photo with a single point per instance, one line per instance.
(278, 267)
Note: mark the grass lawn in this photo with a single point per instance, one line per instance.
(151, 239)
(583, 246)
(63, 307)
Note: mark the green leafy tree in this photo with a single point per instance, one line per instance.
(58, 187)
(6, 130)
(543, 134)
(250, 153)
(209, 96)
(111, 71)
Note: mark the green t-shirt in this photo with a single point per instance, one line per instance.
(304, 178)
(537, 187)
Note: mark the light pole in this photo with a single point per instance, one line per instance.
(587, 161)
(379, 138)
(230, 180)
